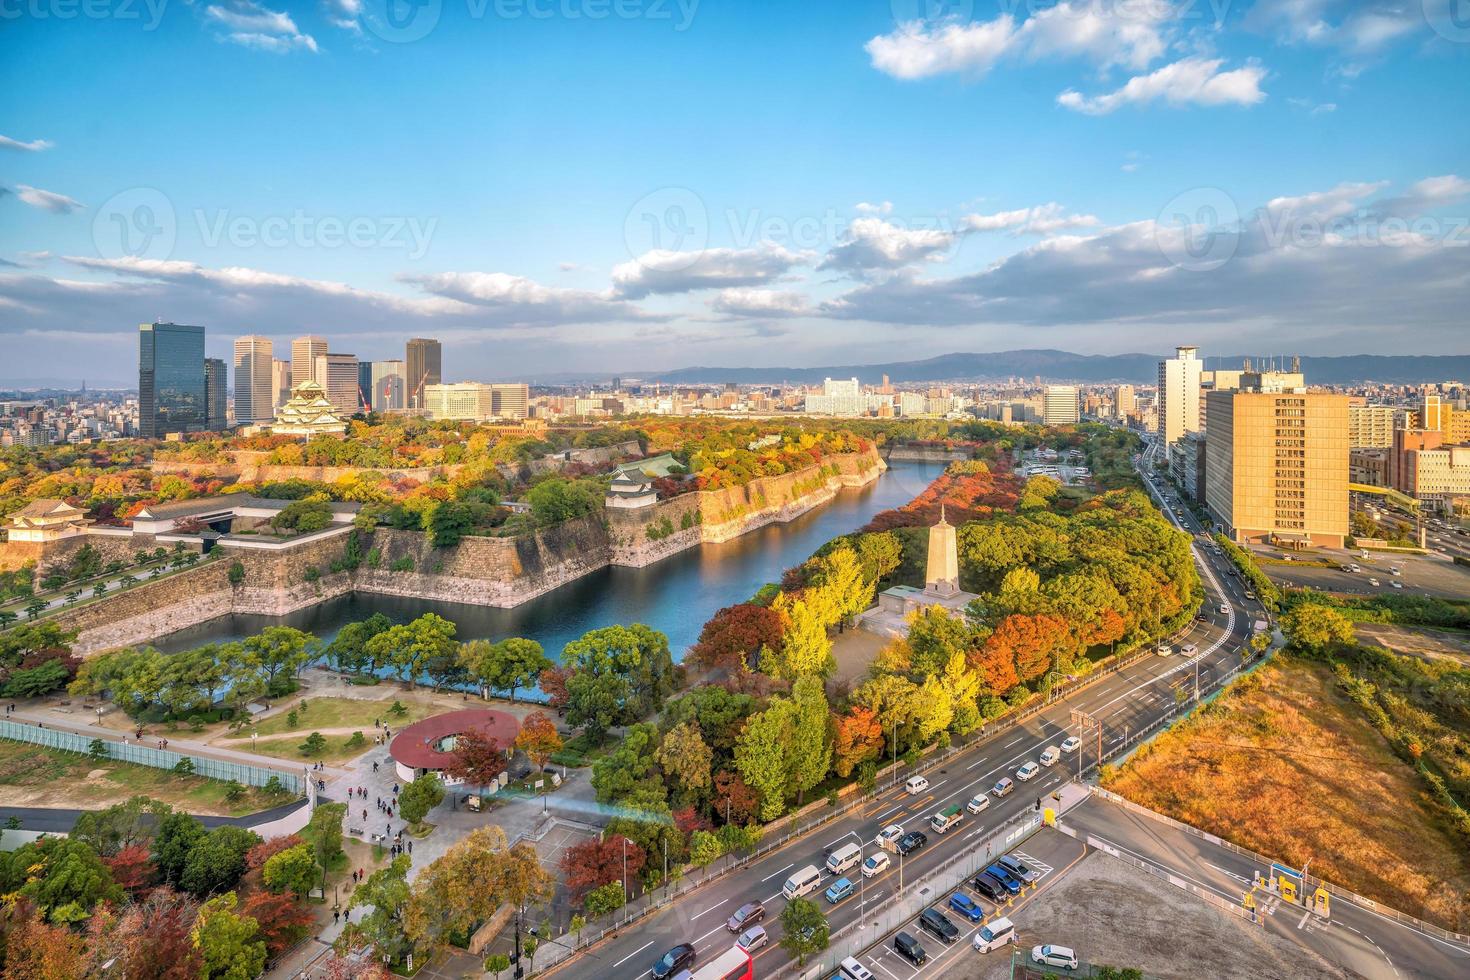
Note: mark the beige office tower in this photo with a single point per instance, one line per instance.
(1059, 405)
(280, 383)
(1276, 465)
(1179, 400)
(338, 376)
(1125, 401)
(254, 397)
(510, 401)
(304, 352)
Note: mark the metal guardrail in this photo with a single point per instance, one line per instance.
(142, 755)
(1336, 890)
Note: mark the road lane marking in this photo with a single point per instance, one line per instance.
(708, 934)
(634, 953)
(787, 868)
(708, 910)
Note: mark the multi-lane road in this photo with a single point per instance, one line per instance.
(1124, 703)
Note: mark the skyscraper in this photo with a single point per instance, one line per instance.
(337, 374)
(1179, 401)
(255, 394)
(1059, 405)
(510, 401)
(216, 400)
(280, 383)
(304, 352)
(387, 388)
(170, 379)
(425, 367)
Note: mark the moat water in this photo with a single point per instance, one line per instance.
(675, 596)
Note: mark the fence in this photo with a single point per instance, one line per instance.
(932, 889)
(1336, 890)
(142, 755)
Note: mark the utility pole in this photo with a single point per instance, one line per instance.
(1084, 722)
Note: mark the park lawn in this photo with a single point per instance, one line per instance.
(325, 713)
(336, 750)
(1283, 763)
(35, 775)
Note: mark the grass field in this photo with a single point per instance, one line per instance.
(1286, 765)
(34, 775)
(324, 713)
(336, 750)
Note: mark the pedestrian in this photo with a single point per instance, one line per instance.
(361, 874)
(364, 814)
(375, 767)
(410, 847)
(336, 916)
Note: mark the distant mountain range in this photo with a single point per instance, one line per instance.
(1057, 365)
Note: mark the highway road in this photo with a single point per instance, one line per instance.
(1124, 703)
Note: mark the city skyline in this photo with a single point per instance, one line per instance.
(1080, 145)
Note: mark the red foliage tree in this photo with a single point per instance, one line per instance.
(256, 857)
(733, 801)
(1108, 627)
(478, 759)
(36, 949)
(734, 633)
(858, 737)
(131, 867)
(1030, 642)
(688, 820)
(997, 665)
(594, 863)
(553, 681)
(153, 941)
(282, 919)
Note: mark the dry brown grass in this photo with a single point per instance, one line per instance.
(1285, 765)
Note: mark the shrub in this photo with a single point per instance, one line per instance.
(315, 744)
(404, 564)
(237, 573)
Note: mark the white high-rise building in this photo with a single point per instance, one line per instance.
(304, 352)
(1060, 406)
(255, 402)
(1179, 398)
(389, 389)
(337, 374)
(281, 381)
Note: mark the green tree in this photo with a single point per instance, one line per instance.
(315, 744)
(620, 674)
(217, 860)
(176, 836)
(805, 929)
(604, 899)
(556, 499)
(762, 755)
(1315, 628)
(448, 521)
(617, 775)
(303, 516)
(811, 736)
(293, 870)
(409, 647)
(63, 878)
(805, 648)
(230, 943)
(685, 758)
(704, 848)
(419, 797)
(936, 634)
(508, 665)
(348, 649)
(386, 895)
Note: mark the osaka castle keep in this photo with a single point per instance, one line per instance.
(941, 586)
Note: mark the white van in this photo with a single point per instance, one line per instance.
(1050, 755)
(851, 969)
(992, 936)
(802, 882)
(846, 856)
(916, 785)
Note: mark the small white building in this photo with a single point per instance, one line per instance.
(629, 491)
(46, 520)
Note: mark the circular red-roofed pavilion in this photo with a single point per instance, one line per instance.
(428, 745)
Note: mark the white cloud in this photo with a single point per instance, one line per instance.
(47, 200)
(760, 303)
(524, 301)
(345, 14)
(1190, 81)
(1353, 26)
(664, 271)
(1130, 34)
(919, 50)
(251, 25)
(875, 243)
(1044, 219)
(863, 207)
(34, 146)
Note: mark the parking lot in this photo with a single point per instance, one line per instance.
(1419, 574)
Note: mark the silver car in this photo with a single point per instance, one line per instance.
(753, 939)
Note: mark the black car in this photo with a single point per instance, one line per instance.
(908, 947)
(991, 887)
(934, 921)
(912, 841)
(679, 958)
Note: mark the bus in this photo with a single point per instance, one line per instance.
(733, 964)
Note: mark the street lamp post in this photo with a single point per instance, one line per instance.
(625, 871)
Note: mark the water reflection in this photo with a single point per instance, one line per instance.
(676, 595)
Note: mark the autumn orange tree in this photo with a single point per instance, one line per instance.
(538, 738)
(857, 737)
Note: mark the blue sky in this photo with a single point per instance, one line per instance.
(550, 186)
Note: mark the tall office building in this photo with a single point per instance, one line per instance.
(424, 362)
(280, 383)
(365, 385)
(463, 401)
(1276, 463)
(255, 393)
(1372, 426)
(1125, 402)
(216, 395)
(1179, 399)
(170, 379)
(1059, 405)
(387, 389)
(337, 374)
(510, 401)
(304, 352)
